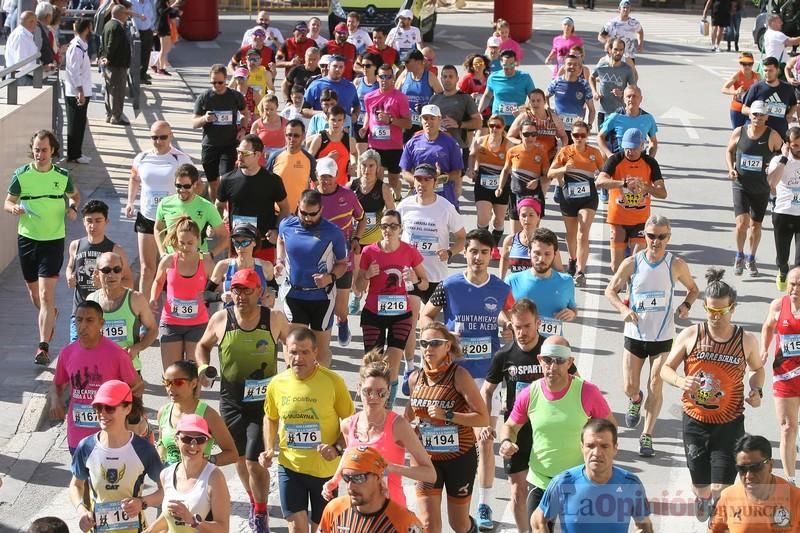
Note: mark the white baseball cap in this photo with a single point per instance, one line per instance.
(759, 106)
(431, 110)
(327, 167)
(493, 41)
(405, 14)
(325, 60)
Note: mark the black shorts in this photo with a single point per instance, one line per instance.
(298, 490)
(316, 314)
(749, 203)
(410, 132)
(570, 207)
(427, 293)
(482, 194)
(513, 199)
(520, 461)
(40, 259)
(535, 495)
(144, 225)
(380, 331)
(645, 349)
(709, 450)
(390, 160)
(217, 160)
(354, 132)
(346, 281)
(178, 333)
(456, 476)
(246, 429)
(622, 235)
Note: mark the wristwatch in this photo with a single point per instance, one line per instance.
(144, 503)
(687, 305)
(196, 519)
(759, 390)
(339, 449)
(449, 414)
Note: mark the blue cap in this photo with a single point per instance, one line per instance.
(633, 138)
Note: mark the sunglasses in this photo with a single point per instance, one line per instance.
(186, 186)
(245, 153)
(529, 134)
(424, 178)
(109, 270)
(718, 310)
(495, 126)
(309, 215)
(178, 382)
(552, 360)
(745, 64)
(356, 479)
(367, 65)
(434, 343)
(217, 83)
(159, 137)
(244, 243)
(198, 440)
(380, 394)
(109, 409)
(294, 135)
(393, 226)
(757, 114)
(659, 237)
(247, 291)
(385, 77)
(579, 135)
(254, 59)
(751, 467)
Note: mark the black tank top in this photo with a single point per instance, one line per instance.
(371, 201)
(85, 262)
(752, 159)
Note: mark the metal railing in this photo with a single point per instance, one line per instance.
(272, 5)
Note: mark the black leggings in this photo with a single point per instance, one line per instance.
(786, 228)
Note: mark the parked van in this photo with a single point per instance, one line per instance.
(376, 13)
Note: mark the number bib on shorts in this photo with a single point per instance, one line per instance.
(507, 108)
(476, 347)
(650, 302)
(116, 330)
(255, 390)
(392, 304)
(424, 243)
(753, 163)
(550, 326)
(381, 132)
(305, 436)
(84, 416)
(490, 181)
(579, 189)
(109, 516)
(439, 439)
(224, 118)
(184, 308)
(790, 345)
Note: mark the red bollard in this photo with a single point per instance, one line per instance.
(199, 20)
(519, 14)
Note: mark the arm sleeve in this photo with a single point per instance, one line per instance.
(366, 259)
(339, 246)
(607, 125)
(472, 106)
(587, 91)
(240, 103)
(439, 296)
(200, 105)
(551, 88)
(280, 189)
(454, 221)
(571, 291)
(653, 127)
(222, 191)
(509, 302)
(14, 188)
(594, 404)
(750, 95)
(610, 166)
(655, 170)
(519, 414)
(405, 159)
(61, 377)
(547, 504)
(270, 406)
(773, 164)
(642, 504)
(416, 257)
(212, 215)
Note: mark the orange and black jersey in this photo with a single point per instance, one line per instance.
(339, 515)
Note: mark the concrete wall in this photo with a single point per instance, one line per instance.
(17, 124)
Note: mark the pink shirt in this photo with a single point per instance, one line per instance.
(84, 371)
(592, 400)
(390, 281)
(389, 449)
(185, 305)
(393, 102)
(511, 44)
(561, 48)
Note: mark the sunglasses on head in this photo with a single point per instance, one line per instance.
(244, 243)
(186, 186)
(434, 343)
(178, 382)
(393, 226)
(529, 134)
(198, 440)
(109, 409)
(355, 479)
(546, 359)
(659, 237)
(751, 467)
(108, 270)
(309, 214)
(159, 137)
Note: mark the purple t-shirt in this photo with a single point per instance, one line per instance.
(592, 400)
(444, 151)
(343, 209)
(393, 102)
(84, 371)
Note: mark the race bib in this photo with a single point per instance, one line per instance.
(381, 132)
(550, 326)
(109, 516)
(224, 118)
(578, 189)
(184, 308)
(507, 108)
(84, 416)
(776, 109)
(519, 386)
(753, 163)
(490, 181)
(476, 348)
(650, 302)
(371, 219)
(404, 52)
(439, 439)
(361, 118)
(116, 330)
(392, 304)
(303, 436)
(631, 199)
(415, 119)
(795, 196)
(255, 390)
(244, 219)
(425, 244)
(568, 119)
(790, 345)
(156, 197)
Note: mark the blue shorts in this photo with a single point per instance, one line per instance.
(297, 489)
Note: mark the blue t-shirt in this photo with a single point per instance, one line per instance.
(550, 295)
(345, 91)
(585, 507)
(444, 151)
(570, 99)
(509, 93)
(618, 123)
(310, 251)
(319, 122)
(495, 65)
(471, 312)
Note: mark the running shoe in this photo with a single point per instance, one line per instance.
(646, 446)
(42, 356)
(485, 518)
(780, 282)
(344, 335)
(738, 265)
(751, 267)
(405, 388)
(603, 194)
(580, 280)
(355, 304)
(703, 509)
(251, 518)
(260, 523)
(572, 267)
(633, 416)
(495, 254)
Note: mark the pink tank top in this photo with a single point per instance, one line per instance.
(185, 305)
(388, 448)
(271, 138)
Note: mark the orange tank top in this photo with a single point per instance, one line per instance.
(343, 152)
(741, 81)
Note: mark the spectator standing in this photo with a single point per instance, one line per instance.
(144, 16)
(116, 59)
(78, 90)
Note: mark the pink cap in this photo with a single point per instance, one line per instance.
(531, 202)
(192, 423)
(113, 392)
(241, 72)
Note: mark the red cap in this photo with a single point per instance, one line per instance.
(113, 392)
(192, 423)
(341, 27)
(246, 277)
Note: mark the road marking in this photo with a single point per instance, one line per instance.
(685, 118)
(591, 304)
(206, 44)
(464, 45)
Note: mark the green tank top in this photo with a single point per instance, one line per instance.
(42, 194)
(166, 430)
(121, 324)
(555, 423)
(248, 360)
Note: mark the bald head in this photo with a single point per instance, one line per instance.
(161, 134)
(558, 340)
(119, 12)
(109, 259)
(28, 20)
